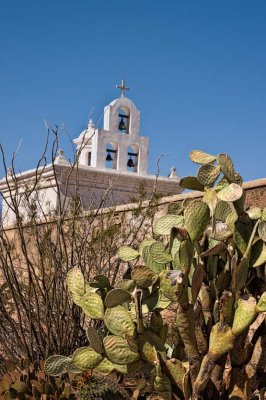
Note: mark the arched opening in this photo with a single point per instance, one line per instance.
(89, 158)
(111, 156)
(133, 158)
(123, 120)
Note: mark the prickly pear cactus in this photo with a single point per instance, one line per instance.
(206, 266)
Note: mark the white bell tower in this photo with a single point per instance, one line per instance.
(118, 146)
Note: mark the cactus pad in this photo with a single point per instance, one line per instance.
(221, 340)
(200, 157)
(191, 183)
(75, 282)
(56, 365)
(117, 297)
(143, 276)
(94, 339)
(163, 387)
(230, 192)
(227, 167)
(86, 358)
(159, 254)
(118, 321)
(244, 315)
(208, 173)
(92, 305)
(176, 371)
(127, 253)
(118, 351)
(197, 216)
(149, 343)
(164, 224)
(261, 306)
(254, 213)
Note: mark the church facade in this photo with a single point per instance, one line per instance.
(111, 168)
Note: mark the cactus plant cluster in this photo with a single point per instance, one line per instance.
(97, 387)
(207, 259)
(28, 381)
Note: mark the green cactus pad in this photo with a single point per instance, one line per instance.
(95, 339)
(126, 284)
(176, 371)
(149, 261)
(197, 217)
(92, 305)
(222, 210)
(227, 167)
(163, 301)
(240, 275)
(254, 213)
(149, 343)
(244, 315)
(261, 306)
(231, 192)
(118, 351)
(118, 321)
(75, 282)
(145, 243)
(191, 183)
(117, 297)
(208, 173)
(126, 253)
(258, 253)
(150, 301)
(210, 198)
(106, 367)
(200, 157)
(167, 288)
(56, 365)
(100, 281)
(143, 276)
(175, 208)
(86, 358)
(163, 387)
(221, 231)
(164, 224)
(159, 254)
(156, 321)
(221, 340)
(186, 252)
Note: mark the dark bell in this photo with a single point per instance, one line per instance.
(109, 157)
(121, 125)
(130, 163)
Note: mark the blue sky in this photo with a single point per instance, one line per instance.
(196, 69)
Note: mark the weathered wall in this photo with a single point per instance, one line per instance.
(255, 196)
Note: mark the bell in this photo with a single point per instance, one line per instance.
(109, 157)
(122, 125)
(130, 163)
